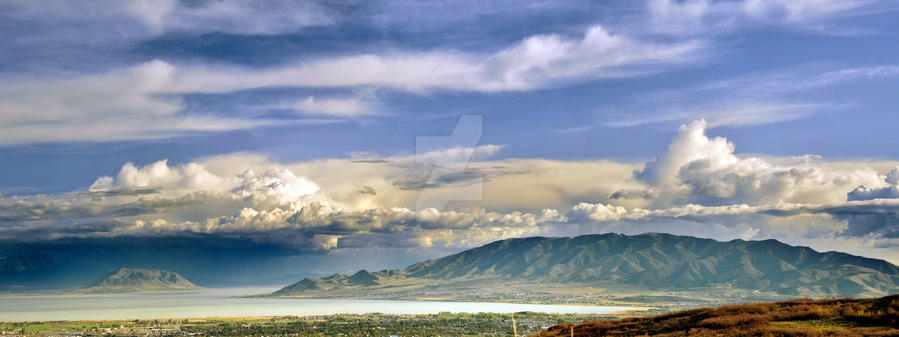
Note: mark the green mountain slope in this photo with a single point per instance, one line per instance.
(649, 260)
(137, 280)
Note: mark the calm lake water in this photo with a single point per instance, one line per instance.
(223, 303)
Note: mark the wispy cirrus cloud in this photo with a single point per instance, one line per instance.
(335, 106)
(798, 79)
(143, 101)
(536, 62)
(754, 99)
(142, 18)
(724, 114)
(693, 17)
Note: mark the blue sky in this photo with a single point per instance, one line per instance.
(566, 120)
(776, 104)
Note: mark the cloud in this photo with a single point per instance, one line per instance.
(120, 105)
(336, 107)
(798, 11)
(236, 17)
(144, 101)
(394, 227)
(280, 184)
(536, 62)
(455, 155)
(274, 185)
(222, 197)
(730, 113)
(319, 226)
(144, 18)
(633, 194)
(690, 144)
(298, 226)
(865, 193)
(102, 184)
(258, 181)
(870, 219)
(699, 182)
(191, 176)
(844, 75)
(508, 185)
(886, 192)
(893, 176)
(53, 211)
(604, 212)
(755, 99)
(699, 169)
(699, 187)
(710, 16)
(797, 79)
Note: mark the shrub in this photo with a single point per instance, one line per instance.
(734, 320)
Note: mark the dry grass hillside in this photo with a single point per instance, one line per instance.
(801, 317)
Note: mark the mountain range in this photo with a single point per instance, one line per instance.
(650, 261)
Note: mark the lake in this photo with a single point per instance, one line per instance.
(224, 303)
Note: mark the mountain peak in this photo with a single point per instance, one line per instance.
(363, 277)
(138, 279)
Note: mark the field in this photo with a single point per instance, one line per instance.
(802, 317)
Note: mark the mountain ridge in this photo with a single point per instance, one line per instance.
(652, 260)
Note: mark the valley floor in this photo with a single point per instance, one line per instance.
(444, 324)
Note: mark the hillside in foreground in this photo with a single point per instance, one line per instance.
(641, 263)
(137, 280)
(802, 317)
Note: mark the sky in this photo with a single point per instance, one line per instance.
(304, 137)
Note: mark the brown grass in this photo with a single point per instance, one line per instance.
(800, 317)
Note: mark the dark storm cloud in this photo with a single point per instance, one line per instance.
(864, 193)
(632, 194)
(25, 211)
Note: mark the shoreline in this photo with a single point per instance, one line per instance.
(431, 299)
(312, 316)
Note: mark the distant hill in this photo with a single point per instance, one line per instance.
(361, 279)
(802, 317)
(137, 280)
(649, 260)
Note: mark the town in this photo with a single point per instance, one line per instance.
(443, 324)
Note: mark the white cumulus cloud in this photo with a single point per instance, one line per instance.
(697, 168)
